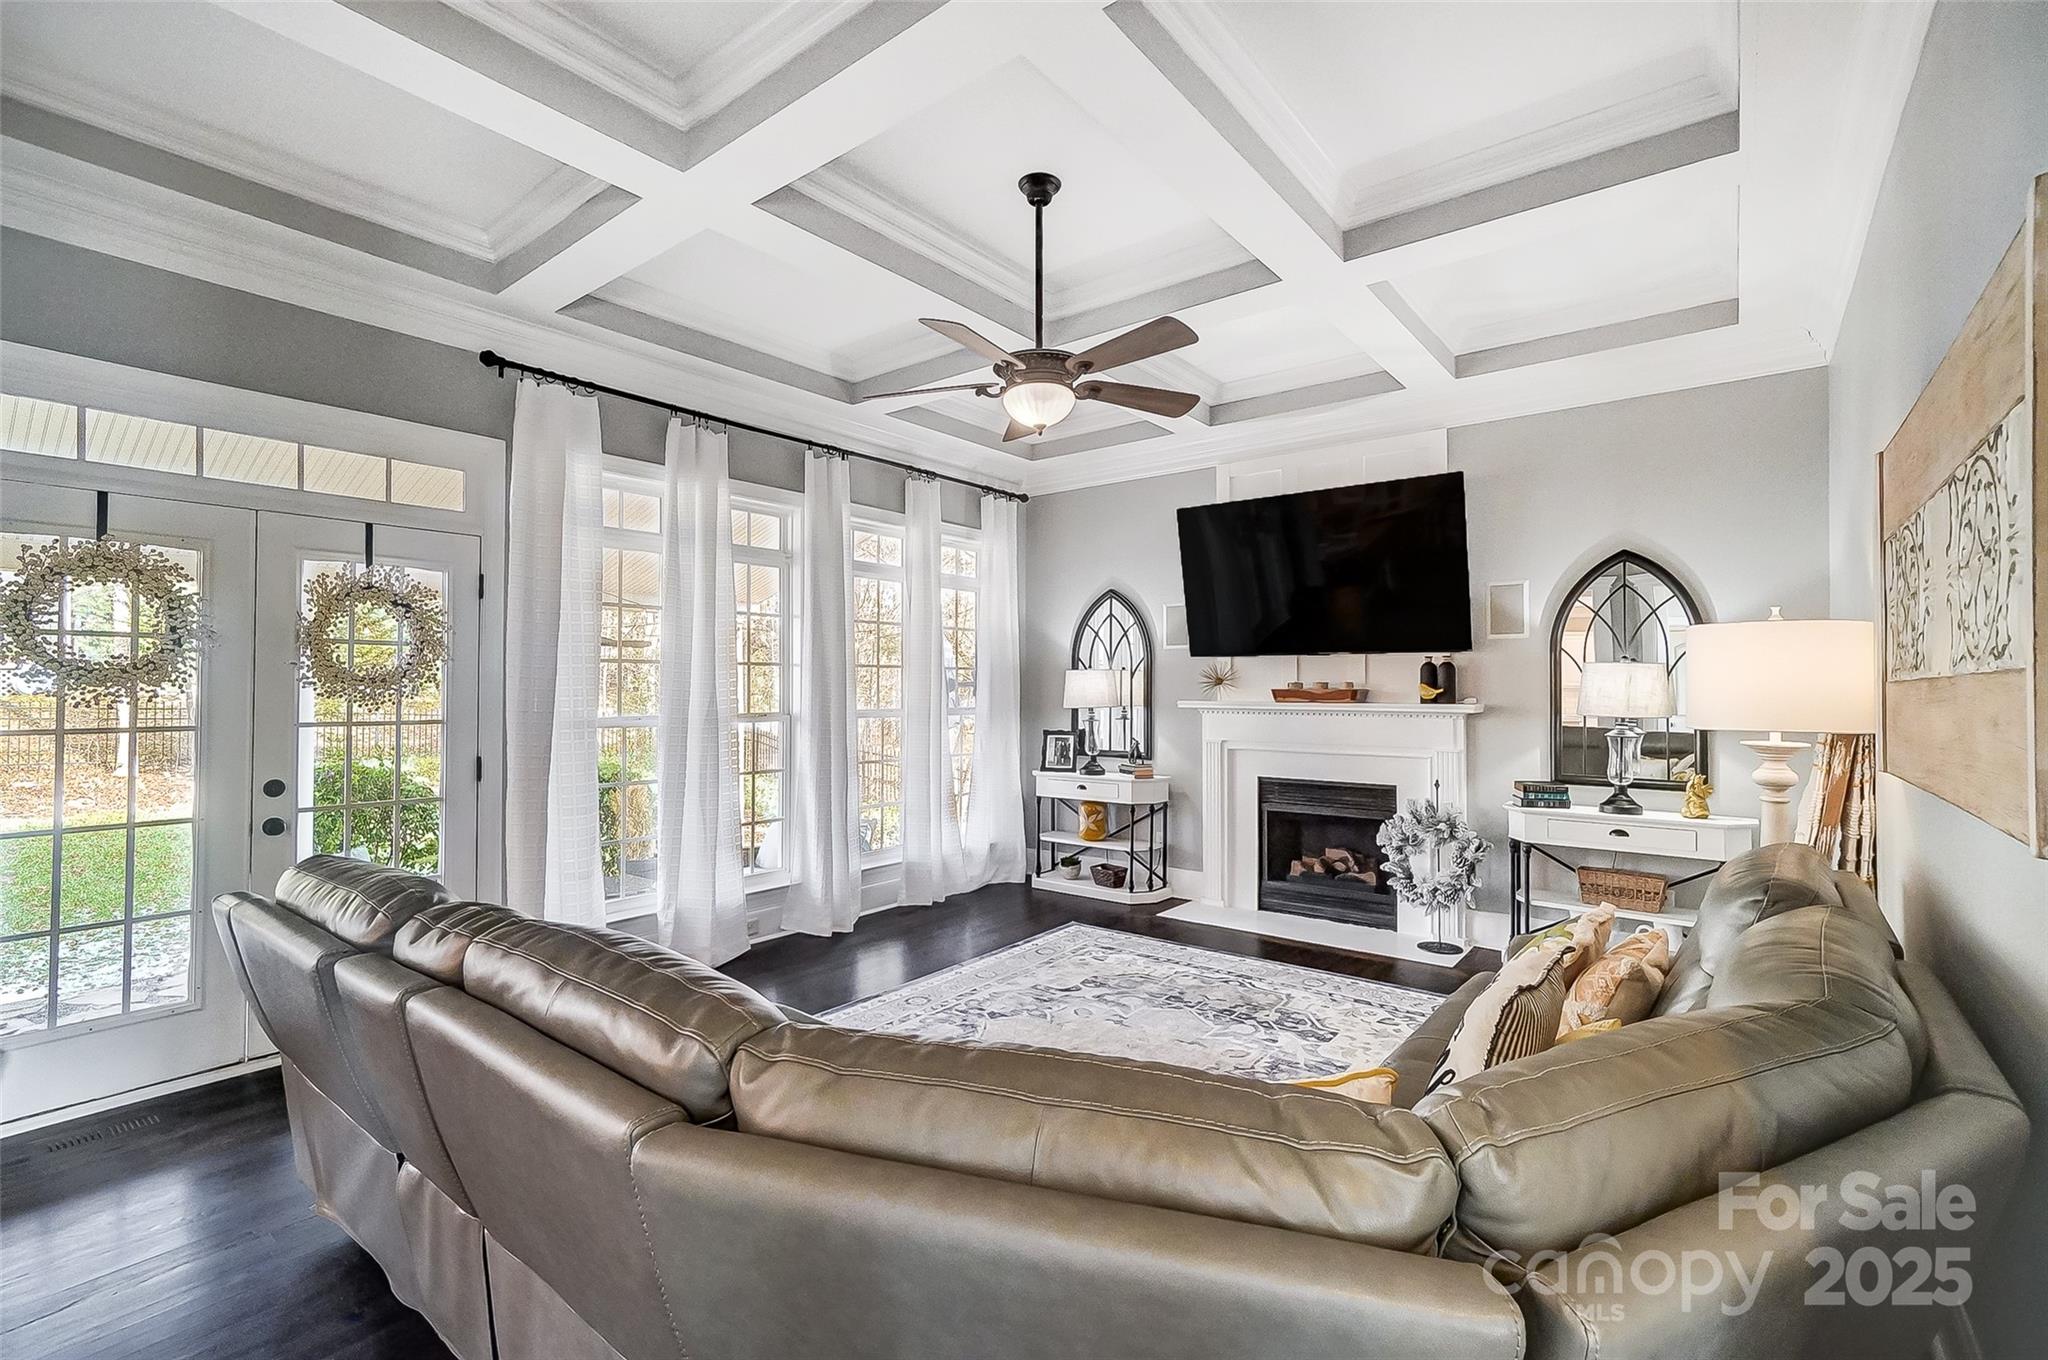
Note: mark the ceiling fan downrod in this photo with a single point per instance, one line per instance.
(1038, 187)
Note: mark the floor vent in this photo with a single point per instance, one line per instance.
(118, 1127)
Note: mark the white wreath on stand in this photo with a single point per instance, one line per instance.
(418, 650)
(1455, 853)
(166, 655)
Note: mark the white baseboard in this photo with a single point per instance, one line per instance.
(85, 1109)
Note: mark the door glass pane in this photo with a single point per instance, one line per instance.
(96, 809)
(370, 779)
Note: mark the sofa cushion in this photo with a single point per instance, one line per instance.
(437, 940)
(1799, 1045)
(360, 903)
(648, 1013)
(1754, 887)
(1140, 1132)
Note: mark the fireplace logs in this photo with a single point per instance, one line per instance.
(1336, 862)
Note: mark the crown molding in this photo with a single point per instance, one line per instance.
(97, 210)
(551, 199)
(682, 99)
(1644, 103)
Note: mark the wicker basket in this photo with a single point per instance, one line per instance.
(1108, 875)
(1630, 888)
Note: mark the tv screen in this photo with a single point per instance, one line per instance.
(1373, 568)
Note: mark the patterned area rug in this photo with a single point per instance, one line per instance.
(1090, 990)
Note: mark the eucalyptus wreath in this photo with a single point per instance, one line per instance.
(417, 649)
(160, 592)
(1455, 853)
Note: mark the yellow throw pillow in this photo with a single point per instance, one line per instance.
(1572, 1036)
(1618, 987)
(1373, 1086)
(1514, 1017)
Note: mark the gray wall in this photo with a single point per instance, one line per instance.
(1971, 902)
(1727, 486)
(58, 297)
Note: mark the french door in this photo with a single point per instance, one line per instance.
(393, 782)
(121, 818)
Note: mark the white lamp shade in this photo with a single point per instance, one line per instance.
(1625, 689)
(1782, 675)
(1039, 404)
(1093, 689)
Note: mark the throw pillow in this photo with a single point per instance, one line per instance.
(1572, 1036)
(1618, 987)
(1515, 1016)
(1373, 1086)
(1587, 934)
(1649, 944)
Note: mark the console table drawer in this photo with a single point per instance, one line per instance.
(1649, 839)
(1111, 788)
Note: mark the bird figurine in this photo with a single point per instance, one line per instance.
(1697, 791)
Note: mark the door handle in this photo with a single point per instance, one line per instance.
(1619, 831)
(273, 826)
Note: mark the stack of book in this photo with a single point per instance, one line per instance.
(1535, 793)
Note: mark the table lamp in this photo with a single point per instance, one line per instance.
(1624, 691)
(1089, 690)
(1781, 675)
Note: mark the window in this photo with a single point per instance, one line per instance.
(629, 688)
(878, 685)
(96, 817)
(959, 565)
(761, 569)
(51, 430)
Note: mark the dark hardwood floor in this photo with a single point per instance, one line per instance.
(178, 1227)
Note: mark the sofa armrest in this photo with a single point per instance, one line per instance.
(782, 1251)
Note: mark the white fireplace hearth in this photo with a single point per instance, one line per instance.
(1416, 749)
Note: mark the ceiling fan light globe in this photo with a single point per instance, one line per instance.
(1040, 404)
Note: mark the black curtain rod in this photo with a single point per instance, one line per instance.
(492, 359)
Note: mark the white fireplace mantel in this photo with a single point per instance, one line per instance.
(1418, 749)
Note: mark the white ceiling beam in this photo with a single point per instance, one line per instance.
(1116, 65)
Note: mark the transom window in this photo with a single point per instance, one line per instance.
(878, 685)
(55, 430)
(96, 809)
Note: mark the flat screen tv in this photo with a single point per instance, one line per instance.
(1373, 568)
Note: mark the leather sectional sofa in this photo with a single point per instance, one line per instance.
(564, 1143)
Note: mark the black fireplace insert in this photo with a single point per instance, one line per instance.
(1319, 851)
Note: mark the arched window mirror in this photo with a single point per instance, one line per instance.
(1112, 637)
(1626, 609)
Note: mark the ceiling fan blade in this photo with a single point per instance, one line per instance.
(968, 338)
(1156, 401)
(1017, 431)
(983, 389)
(1154, 337)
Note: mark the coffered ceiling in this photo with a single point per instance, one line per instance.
(1379, 218)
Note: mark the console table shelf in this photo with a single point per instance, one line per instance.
(1136, 839)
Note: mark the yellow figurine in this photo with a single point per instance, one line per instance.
(1697, 791)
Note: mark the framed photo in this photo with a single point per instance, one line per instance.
(1059, 751)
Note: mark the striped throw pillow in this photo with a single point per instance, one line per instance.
(1514, 1017)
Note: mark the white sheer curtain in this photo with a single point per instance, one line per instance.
(825, 854)
(932, 866)
(551, 687)
(703, 906)
(994, 834)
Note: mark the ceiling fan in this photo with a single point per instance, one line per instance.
(1038, 387)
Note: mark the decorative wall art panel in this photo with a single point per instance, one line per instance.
(1958, 576)
(1962, 491)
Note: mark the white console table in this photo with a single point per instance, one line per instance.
(1536, 831)
(1138, 843)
